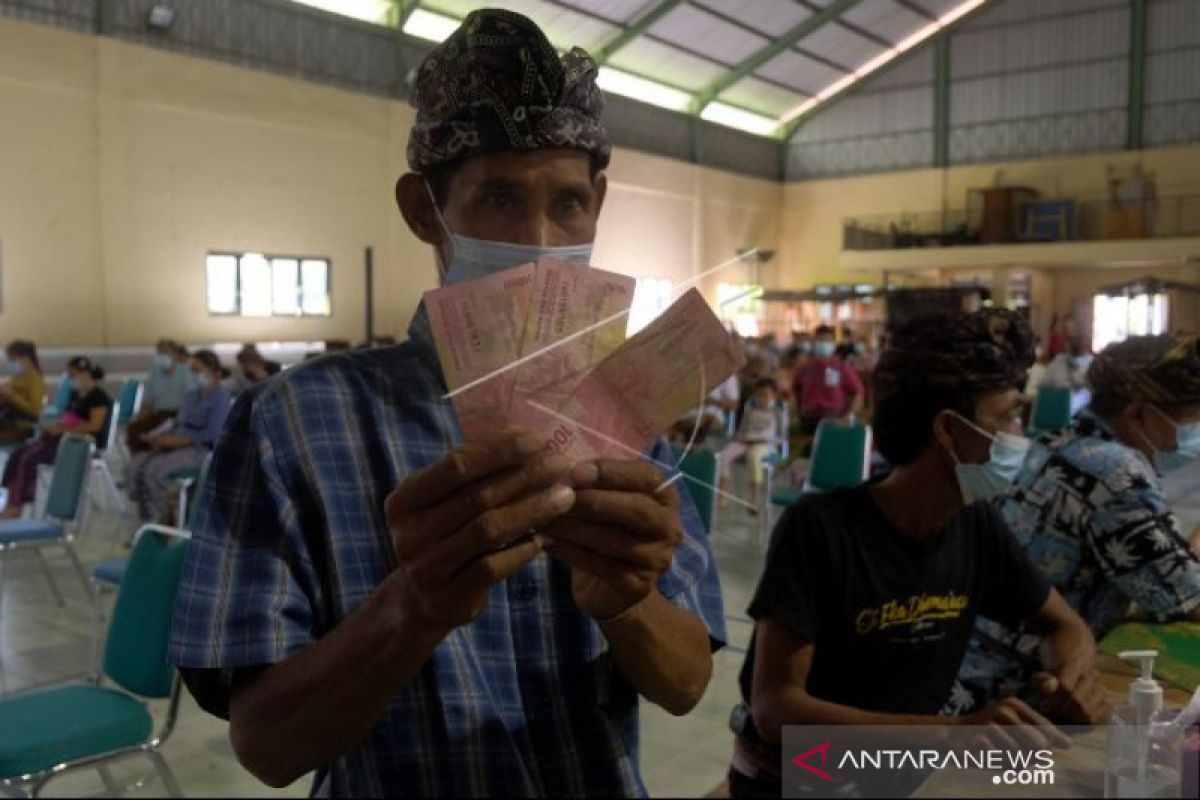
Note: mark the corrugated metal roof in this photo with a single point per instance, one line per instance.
(764, 56)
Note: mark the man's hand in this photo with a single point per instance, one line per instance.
(467, 522)
(1194, 540)
(1011, 723)
(1073, 695)
(620, 536)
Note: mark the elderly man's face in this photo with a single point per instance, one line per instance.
(542, 198)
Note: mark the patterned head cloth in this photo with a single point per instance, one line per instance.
(986, 350)
(498, 84)
(1155, 369)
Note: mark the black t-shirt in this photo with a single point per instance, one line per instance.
(889, 617)
(82, 406)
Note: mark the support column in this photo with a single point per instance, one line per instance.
(941, 101)
(1137, 74)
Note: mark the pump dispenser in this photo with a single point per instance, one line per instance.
(1138, 763)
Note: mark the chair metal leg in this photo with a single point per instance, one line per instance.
(49, 575)
(110, 784)
(79, 570)
(164, 772)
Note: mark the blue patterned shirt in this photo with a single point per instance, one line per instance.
(290, 538)
(1091, 514)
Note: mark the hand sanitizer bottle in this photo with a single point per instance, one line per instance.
(1138, 763)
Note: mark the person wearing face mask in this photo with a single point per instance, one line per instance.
(826, 386)
(184, 443)
(22, 397)
(407, 614)
(869, 594)
(86, 413)
(1088, 508)
(165, 389)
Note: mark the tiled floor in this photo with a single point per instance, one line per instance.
(43, 643)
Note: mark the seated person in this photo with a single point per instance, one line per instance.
(21, 399)
(696, 425)
(758, 435)
(1088, 509)
(87, 413)
(894, 572)
(166, 386)
(252, 368)
(191, 436)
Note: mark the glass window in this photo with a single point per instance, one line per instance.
(222, 284)
(285, 286)
(314, 286)
(256, 285)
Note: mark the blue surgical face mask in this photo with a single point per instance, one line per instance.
(824, 349)
(993, 477)
(1187, 445)
(163, 361)
(475, 258)
(195, 382)
(75, 384)
(16, 367)
(806, 347)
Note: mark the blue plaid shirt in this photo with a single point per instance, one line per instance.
(1090, 513)
(290, 538)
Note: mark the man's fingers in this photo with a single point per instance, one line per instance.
(633, 551)
(535, 473)
(625, 476)
(611, 572)
(635, 512)
(496, 566)
(1031, 722)
(1045, 683)
(1070, 673)
(494, 530)
(462, 466)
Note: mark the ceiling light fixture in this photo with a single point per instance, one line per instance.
(733, 117)
(642, 89)
(160, 18)
(430, 26)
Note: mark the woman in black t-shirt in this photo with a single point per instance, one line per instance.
(86, 414)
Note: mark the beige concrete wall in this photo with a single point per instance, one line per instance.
(122, 166)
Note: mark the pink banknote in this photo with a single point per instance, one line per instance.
(477, 328)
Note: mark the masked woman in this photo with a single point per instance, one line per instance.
(191, 437)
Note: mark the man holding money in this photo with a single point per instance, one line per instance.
(368, 597)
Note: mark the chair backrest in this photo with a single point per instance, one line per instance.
(135, 653)
(201, 480)
(62, 394)
(68, 482)
(130, 399)
(1051, 409)
(699, 469)
(841, 456)
(112, 427)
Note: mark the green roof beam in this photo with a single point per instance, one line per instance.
(400, 11)
(779, 45)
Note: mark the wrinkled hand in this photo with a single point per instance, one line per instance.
(466, 522)
(619, 537)
(1009, 723)
(1073, 695)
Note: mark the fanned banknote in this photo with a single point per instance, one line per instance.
(577, 317)
(477, 327)
(635, 394)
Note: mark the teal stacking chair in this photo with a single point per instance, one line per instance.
(699, 469)
(108, 574)
(130, 400)
(46, 733)
(63, 516)
(62, 398)
(1051, 410)
(841, 458)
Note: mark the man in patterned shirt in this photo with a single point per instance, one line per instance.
(1089, 510)
(367, 597)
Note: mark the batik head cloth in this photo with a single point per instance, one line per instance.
(498, 84)
(982, 351)
(1156, 369)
